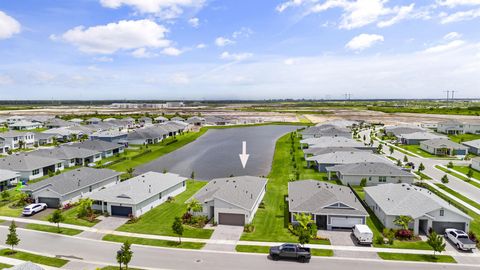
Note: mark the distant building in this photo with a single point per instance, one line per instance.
(25, 125)
(14, 139)
(443, 147)
(458, 127)
(29, 166)
(476, 163)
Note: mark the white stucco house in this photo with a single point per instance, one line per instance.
(29, 166)
(232, 201)
(427, 210)
(138, 195)
(476, 163)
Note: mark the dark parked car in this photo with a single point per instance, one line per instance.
(290, 251)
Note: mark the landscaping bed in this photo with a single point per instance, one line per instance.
(71, 217)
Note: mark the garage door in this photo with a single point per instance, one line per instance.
(123, 211)
(439, 227)
(51, 202)
(231, 219)
(345, 222)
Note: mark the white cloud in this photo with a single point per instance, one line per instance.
(460, 16)
(124, 35)
(223, 41)
(452, 36)
(363, 41)
(445, 47)
(356, 13)
(172, 51)
(180, 78)
(289, 61)
(165, 9)
(141, 53)
(455, 3)
(201, 46)
(235, 56)
(104, 59)
(194, 22)
(5, 79)
(244, 32)
(8, 26)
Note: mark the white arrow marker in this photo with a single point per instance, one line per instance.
(244, 156)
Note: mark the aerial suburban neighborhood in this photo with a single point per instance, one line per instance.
(226, 134)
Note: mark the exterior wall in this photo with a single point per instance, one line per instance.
(472, 128)
(476, 164)
(474, 150)
(374, 180)
(427, 148)
(449, 216)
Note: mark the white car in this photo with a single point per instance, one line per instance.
(34, 208)
(363, 234)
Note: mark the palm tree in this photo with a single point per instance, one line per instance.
(194, 206)
(403, 221)
(130, 172)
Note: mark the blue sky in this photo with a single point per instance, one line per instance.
(230, 49)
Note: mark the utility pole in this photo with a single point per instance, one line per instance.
(453, 94)
(448, 94)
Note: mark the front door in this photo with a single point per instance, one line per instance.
(321, 222)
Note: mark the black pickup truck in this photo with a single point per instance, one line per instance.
(290, 251)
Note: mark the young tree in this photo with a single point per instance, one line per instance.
(130, 172)
(363, 182)
(405, 159)
(450, 164)
(469, 173)
(304, 236)
(126, 254)
(85, 207)
(445, 179)
(192, 175)
(303, 219)
(12, 237)
(57, 217)
(436, 243)
(392, 150)
(399, 163)
(194, 206)
(364, 137)
(403, 221)
(421, 167)
(177, 228)
(5, 195)
(380, 148)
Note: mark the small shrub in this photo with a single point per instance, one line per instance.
(171, 199)
(261, 205)
(379, 240)
(450, 165)
(248, 228)
(132, 219)
(404, 234)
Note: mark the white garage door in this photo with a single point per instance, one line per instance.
(345, 222)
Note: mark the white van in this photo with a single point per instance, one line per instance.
(363, 234)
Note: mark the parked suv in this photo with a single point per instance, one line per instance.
(34, 208)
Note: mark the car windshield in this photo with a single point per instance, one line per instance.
(463, 236)
(26, 208)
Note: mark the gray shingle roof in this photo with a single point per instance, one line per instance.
(405, 199)
(324, 150)
(242, 191)
(312, 196)
(26, 162)
(96, 145)
(399, 130)
(43, 136)
(347, 157)
(71, 181)
(11, 134)
(139, 188)
(440, 143)
(64, 152)
(7, 174)
(370, 169)
(421, 136)
(474, 143)
(332, 142)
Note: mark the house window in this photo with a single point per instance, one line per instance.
(382, 179)
(35, 172)
(183, 183)
(59, 165)
(90, 189)
(442, 212)
(160, 196)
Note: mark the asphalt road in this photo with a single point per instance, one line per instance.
(215, 154)
(95, 252)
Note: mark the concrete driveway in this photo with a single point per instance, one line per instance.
(106, 224)
(345, 238)
(225, 232)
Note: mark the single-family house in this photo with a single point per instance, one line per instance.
(443, 147)
(29, 166)
(42, 138)
(113, 136)
(402, 129)
(315, 151)
(160, 119)
(331, 206)
(196, 121)
(321, 162)
(8, 177)
(473, 146)
(373, 172)
(25, 125)
(76, 120)
(326, 130)
(3, 147)
(417, 137)
(476, 163)
(427, 210)
(15, 118)
(138, 195)
(458, 127)
(70, 156)
(177, 118)
(145, 120)
(323, 142)
(107, 149)
(93, 121)
(215, 121)
(232, 201)
(59, 123)
(71, 186)
(15, 139)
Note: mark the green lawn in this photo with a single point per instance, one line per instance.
(422, 175)
(71, 218)
(53, 229)
(464, 137)
(461, 177)
(266, 249)
(458, 195)
(159, 220)
(416, 257)
(416, 149)
(465, 169)
(158, 150)
(111, 267)
(3, 266)
(153, 242)
(25, 256)
(271, 222)
(6, 207)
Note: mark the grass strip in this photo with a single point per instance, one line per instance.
(416, 257)
(25, 256)
(53, 229)
(152, 242)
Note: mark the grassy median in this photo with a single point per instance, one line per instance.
(266, 249)
(153, 242)
(416, 257)
(25, 256)
(52, 229)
